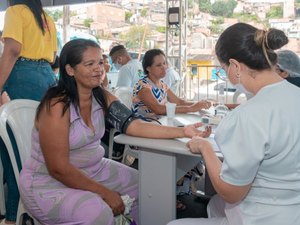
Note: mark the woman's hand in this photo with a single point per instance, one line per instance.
(198, 144)
(115, 202)
(191, 131)
(203, 104)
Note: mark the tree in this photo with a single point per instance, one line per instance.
(216, 27)
(205, 6)
(218, 21)
(190, 3)
(128, 15)
(87, 22)
(134, 37)
(246, 17)
(54, 14)
(144, 12)
(223, 8)
(275, 12)
(161, 29)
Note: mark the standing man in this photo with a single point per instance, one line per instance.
(172, 79)
(130, 70)
(288, 66)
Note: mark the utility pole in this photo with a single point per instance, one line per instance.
(176, 36)
(66, 22)
(142, 42)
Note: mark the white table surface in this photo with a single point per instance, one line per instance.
(161, 163)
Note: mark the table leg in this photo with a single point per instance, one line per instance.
(157, 187)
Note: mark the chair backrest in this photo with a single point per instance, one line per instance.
(237, 93)
(19, 114)
(125, 95)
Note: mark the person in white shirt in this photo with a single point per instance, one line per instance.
(258, 180)
(130, 70)
(172, 78)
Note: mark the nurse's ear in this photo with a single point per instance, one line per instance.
(236, 66)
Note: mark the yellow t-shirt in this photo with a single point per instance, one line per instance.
(21, 26)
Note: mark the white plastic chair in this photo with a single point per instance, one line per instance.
(19, 114)
(125, 96)
(236, 95)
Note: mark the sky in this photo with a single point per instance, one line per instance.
(1, 20)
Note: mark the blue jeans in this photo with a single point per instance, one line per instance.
(27, 80)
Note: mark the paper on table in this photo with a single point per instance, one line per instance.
(210, 111)
(210, 139)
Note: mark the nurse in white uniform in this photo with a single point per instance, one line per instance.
(258, 183)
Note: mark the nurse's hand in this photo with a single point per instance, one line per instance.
(192, 130)
(198, 144)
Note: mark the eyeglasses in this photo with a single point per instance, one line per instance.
(221, 73)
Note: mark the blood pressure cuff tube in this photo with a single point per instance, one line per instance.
(119, 116)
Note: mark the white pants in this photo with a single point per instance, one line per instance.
(215, 212)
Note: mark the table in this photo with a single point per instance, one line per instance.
(161, 163)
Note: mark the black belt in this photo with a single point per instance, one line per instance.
(32, 60)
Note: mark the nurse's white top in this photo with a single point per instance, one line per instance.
(260, 141)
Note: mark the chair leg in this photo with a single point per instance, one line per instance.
(125, 153)
(21, 212)
(111, 142)
(2, 193)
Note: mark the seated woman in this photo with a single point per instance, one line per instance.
(104, 79)
(151, 94)
(67, 180)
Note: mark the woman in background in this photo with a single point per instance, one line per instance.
(25, 73)
(104, 80)
(151, 94)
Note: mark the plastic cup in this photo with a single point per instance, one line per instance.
(171, 108)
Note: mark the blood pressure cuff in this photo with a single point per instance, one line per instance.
(119, 116)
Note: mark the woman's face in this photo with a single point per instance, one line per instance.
(89, 72)
(106, 65)
(158, 67)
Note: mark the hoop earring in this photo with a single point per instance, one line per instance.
(239, 77)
